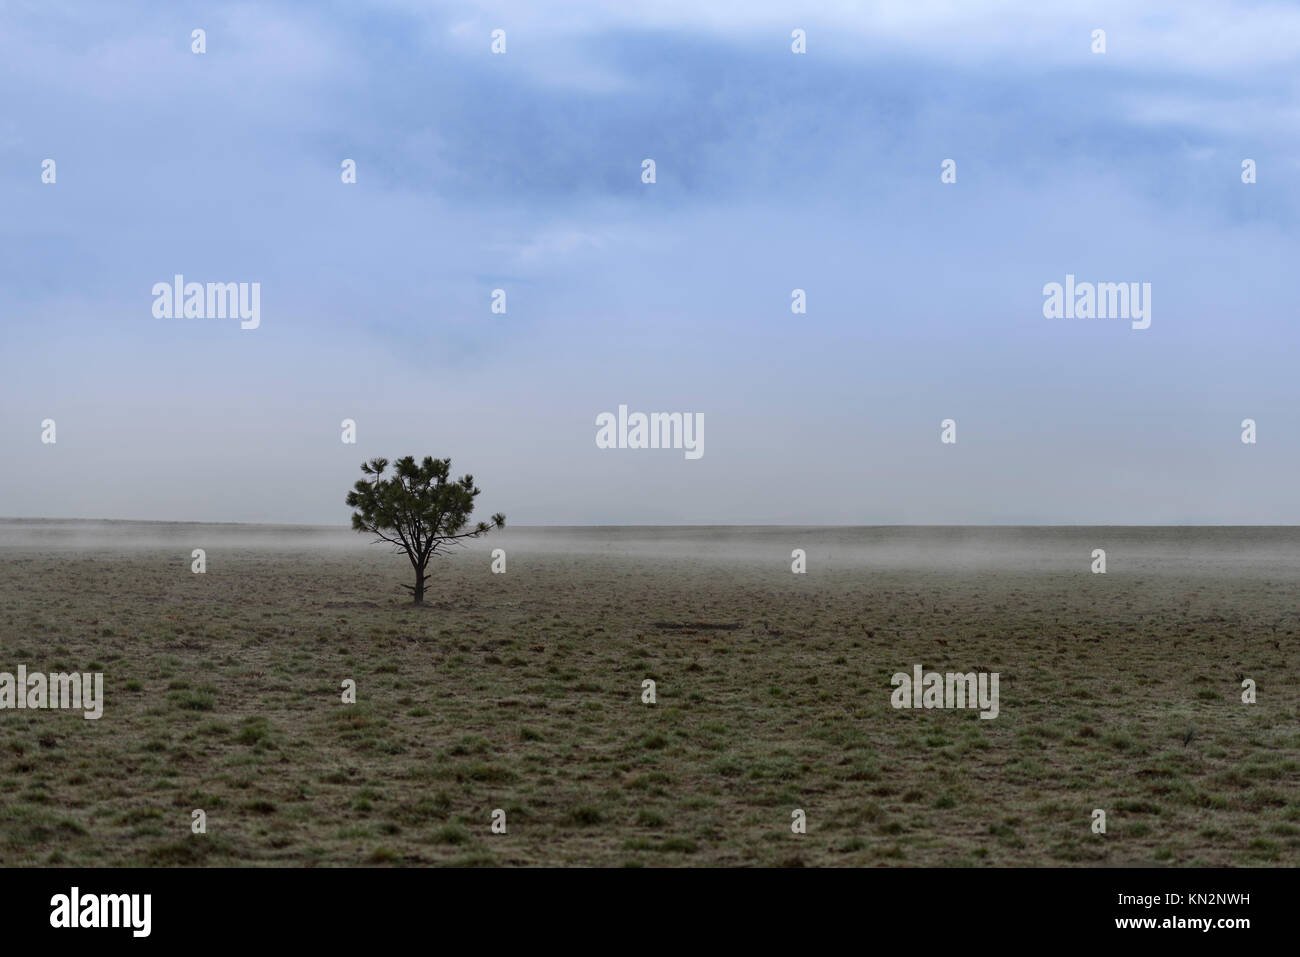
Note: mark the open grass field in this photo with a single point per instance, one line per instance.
(522, 691)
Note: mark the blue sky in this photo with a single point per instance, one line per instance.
(775, 171)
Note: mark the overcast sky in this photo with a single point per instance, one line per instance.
(775, 171)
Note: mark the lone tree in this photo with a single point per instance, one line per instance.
(417, 509)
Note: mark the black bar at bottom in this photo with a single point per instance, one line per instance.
(332, 907)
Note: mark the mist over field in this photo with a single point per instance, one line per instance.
(1155, 550)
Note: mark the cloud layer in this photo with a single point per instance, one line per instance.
(775, 172)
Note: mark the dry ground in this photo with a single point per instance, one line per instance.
(523, 692)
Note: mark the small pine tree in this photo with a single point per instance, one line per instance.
(418, 509)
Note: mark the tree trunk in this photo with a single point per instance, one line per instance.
(419, 587)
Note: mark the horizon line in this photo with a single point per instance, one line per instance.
(344, 527)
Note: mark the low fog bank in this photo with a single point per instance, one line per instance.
(1258, 549)
(79, 535)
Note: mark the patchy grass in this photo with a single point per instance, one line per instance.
(523, 692)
